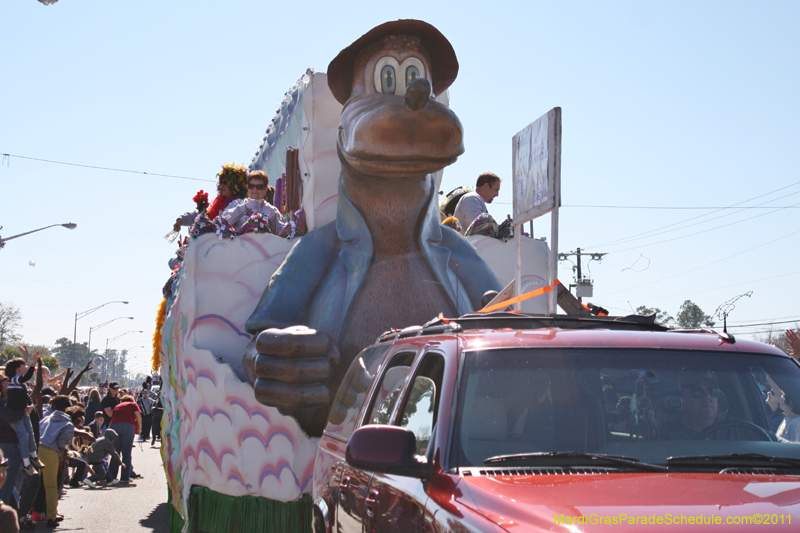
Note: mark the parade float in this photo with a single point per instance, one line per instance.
(256, 329)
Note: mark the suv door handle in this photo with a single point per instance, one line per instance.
(372, 502)
(344, 484)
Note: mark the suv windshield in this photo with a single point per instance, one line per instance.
(641, 404)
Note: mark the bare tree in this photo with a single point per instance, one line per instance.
(9, 322)
(776, 337)
(662, 317)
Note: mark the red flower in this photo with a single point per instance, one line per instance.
(201, 199)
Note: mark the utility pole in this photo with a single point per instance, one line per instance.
(583, 286)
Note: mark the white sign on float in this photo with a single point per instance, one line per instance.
(536, 174)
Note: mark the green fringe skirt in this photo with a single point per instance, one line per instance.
(212, 512)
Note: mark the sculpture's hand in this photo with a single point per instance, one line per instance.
(291, 368)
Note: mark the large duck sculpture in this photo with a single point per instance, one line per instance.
(386, 261)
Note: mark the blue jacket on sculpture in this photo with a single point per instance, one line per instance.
(386, 262)
(316, 283)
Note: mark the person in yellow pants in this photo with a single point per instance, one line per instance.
(55, 433)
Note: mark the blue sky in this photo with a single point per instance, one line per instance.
(665, 104)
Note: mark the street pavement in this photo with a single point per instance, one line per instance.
(139, 507)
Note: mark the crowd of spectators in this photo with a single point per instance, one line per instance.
(55, 435)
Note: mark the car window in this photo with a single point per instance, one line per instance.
(353, 390)
(418, 412)
(421, 405)
(648, 404)
(388, 391)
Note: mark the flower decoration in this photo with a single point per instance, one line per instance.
(256, 223)
(485, 224)
(202, 225)
(224, 229)
(235, 177)
(505, 230)
(296, 225)
(201, 199)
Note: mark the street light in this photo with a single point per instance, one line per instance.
(121, 335)
(78, 316)
(130, 372)
(100, 326)
(115, 338)
(68, 225)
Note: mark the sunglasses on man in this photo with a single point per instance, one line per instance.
(256, 186)
(697, 391)
(4, 462)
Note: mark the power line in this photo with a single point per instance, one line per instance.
(695, 218)
(707, 264)
(694, 233)
(631, 239)
(796, 320)
(5, 156)
(750, 282)
(738, 210)
(777, 318)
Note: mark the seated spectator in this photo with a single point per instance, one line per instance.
(83, 437)
(239, 211)
(8, 516)
(774, 414)
(474, 203)
(231, 182)
(790, 427)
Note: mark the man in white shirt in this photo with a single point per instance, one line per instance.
(474, 203)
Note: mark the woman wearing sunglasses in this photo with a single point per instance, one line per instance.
(239, 211)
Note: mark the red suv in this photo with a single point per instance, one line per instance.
(519, 423)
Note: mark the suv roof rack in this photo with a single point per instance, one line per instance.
(500, 320)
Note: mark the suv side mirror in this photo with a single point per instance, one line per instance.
(386, 449)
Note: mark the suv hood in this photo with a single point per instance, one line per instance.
(557, 502)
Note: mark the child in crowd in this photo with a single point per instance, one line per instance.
(97, 454)
(18, 398)
(98, 427)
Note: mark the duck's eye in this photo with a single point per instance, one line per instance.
(388, 80)
(412, 73)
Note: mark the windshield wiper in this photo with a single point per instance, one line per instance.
(734, 458)
(559, 457)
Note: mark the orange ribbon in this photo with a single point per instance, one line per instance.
(520, 298)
